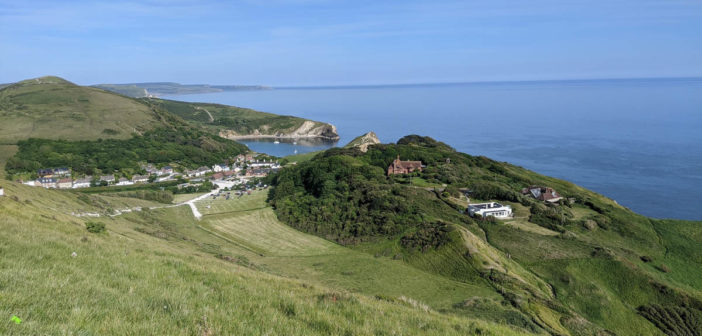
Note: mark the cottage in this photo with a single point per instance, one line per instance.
(140, 178)
(217, 176)
(82, 182)
(404, 167)
(2, 191)
(124, 182)
(65, 183)
(46, 182)
(494, 209)
(229, 173)
(203, 171)
(545, 194)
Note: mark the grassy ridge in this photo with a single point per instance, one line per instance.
(52, 108)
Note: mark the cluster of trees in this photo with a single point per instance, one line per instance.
(187, 146)
(342, 199)
(427, 236)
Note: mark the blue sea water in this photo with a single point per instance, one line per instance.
(637, 141)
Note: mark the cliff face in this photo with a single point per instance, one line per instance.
(363, 141)
(308, 129)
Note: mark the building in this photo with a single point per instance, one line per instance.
(54, 172)
(82, 182)
(46, 182)
(494, 209)
(404, 167)
(107, 178)
(545, 194)
(124, 182)
(2, 191)
(65, 183)
(167, 170)
(217, 176)
(220, 168)
(140, 178)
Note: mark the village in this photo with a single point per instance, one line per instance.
(242, 167)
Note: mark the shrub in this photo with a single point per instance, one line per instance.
(95, 227)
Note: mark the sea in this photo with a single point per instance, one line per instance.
(637, 141)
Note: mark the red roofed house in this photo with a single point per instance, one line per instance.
(404, 167)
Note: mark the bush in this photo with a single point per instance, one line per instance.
(95, 227)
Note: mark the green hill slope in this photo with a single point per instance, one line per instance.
(53, 108)
(583, 267)
(161, 272)
(237, 123)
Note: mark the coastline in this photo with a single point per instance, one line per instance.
(287, 136)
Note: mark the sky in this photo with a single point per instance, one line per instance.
(324, 42)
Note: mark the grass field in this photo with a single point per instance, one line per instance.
(254, 226)
(153, 273)
(180, 198)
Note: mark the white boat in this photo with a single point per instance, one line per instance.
(294, 142)
(295, 151)
(276, 142)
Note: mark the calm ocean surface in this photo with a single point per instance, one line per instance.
(636, 141)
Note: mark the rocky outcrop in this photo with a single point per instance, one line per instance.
(308, 129)
(363, 141)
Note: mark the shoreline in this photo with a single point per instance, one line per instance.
(271, 136)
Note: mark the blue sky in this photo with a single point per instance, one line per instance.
(318, 42)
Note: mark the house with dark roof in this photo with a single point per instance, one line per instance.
(545, 194)
(404, 167)
(47, 182)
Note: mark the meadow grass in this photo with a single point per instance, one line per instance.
(126, 282)
(52, 108)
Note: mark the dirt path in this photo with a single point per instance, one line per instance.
(206, 111)
(190, 203)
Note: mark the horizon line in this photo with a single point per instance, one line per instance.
(480, 82)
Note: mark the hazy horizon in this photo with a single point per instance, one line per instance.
(340, 43)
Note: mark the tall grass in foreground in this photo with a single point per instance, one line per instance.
(135, 284)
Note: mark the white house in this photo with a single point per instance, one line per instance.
(82, 182)
(124, 182)
(494, 209)
(140, 178)
(220, 168)
(2, 191)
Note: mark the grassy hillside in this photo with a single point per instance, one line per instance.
(231, 121)
(162, 272)
(53, 108)
(590, 266)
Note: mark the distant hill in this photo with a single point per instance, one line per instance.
(140, 90)
(53, 108)
(241, 123)
(581, 266)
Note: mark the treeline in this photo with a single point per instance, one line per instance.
(187, 146)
